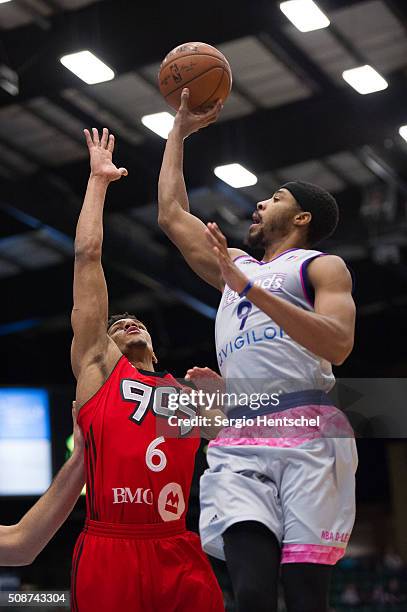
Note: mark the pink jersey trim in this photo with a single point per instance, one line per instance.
(311, 553)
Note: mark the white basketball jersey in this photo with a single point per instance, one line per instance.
(252, 346)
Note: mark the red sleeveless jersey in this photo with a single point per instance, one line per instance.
(134, 473)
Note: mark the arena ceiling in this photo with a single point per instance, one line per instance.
(290, 115)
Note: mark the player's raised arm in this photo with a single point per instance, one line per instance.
(90, 310)
(185, 230)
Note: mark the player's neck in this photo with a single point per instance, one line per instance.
(142, 362)
(143, 365)
(281, 246)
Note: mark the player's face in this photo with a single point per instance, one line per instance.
(272, 218)
(130, 334)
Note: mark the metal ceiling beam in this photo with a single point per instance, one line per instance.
(291, 134)
(269, 140)
(119, 36)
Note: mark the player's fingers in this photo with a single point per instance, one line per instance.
(195, 370)
(219, 235)
(214, 112)
(184, 99)
(218, 106)
(96, 140)
(210, 237)
(216, 234)
(110, 144)
(88, 138)
(105, 138)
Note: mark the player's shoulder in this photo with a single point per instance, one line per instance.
(328, 268)
(235, 253)
(325, 261)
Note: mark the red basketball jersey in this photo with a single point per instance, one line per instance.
(134, 473)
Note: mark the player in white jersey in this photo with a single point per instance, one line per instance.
(281, 494)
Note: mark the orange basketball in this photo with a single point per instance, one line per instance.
(201, 68)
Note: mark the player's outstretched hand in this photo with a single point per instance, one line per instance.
(232, 275)
(206, 380)
(196, 373)
(101, 152)
(186, 122)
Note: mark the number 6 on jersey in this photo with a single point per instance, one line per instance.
(152, 452)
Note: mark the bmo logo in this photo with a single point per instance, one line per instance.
(124, 495)
(171, 503)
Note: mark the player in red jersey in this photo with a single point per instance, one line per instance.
(134, 552)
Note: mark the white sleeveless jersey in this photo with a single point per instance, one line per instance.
(252, 346)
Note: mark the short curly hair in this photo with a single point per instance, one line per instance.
(322, 206)
(125, 315)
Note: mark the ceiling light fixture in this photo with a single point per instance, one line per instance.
(87, 67)
(160, 123)
(235, 175)
(305, 15)
(365, 79)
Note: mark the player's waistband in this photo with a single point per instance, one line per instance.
(134, 530)
(285, 402)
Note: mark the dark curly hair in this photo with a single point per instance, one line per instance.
(321, 204)
(125, 315)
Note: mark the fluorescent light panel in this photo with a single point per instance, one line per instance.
(235, 175)
(159, 123)
(87, 67)
(365, 79)
(403, 132)
(305, 15)
(4, 1)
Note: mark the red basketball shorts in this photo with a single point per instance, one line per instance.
(146, 568)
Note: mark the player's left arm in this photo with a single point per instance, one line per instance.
(328, 331)
(21, 543)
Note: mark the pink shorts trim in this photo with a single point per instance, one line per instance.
(311, 553)
(333, 424)
(275, 442)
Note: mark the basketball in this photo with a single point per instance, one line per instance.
(201, 68)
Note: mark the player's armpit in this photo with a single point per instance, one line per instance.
(187, 232)
(332, 282)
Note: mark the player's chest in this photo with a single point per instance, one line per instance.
(271, 277)
(159, 406)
